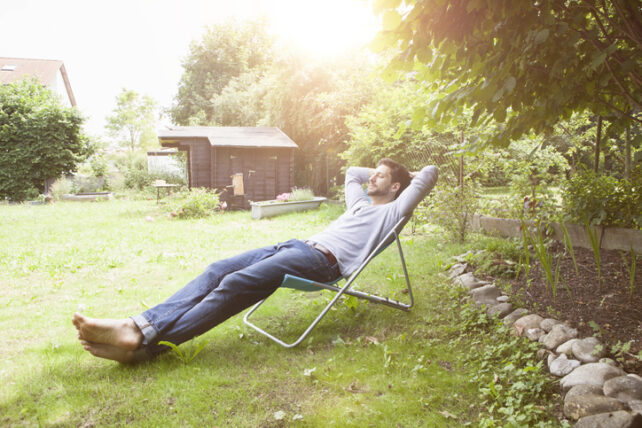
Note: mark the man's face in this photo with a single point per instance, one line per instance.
(380, 183)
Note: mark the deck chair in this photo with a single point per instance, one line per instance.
(297, 283)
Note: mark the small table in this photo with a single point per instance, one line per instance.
(161, 184)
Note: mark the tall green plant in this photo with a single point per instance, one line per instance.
(568, 245)
(595, 245)
(550, 264)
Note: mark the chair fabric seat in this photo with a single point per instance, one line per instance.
(302, 284)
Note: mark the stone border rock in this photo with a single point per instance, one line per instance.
(598, 392)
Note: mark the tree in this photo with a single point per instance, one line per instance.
(521, 63)
(225, 52)
(40, 139)
(133, 118)
(310, 103)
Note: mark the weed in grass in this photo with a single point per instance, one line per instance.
(186, 356)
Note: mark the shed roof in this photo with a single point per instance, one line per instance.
(12, 69)
(230, 136)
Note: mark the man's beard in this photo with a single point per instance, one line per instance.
(376, 192)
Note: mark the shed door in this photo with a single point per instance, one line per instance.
(242, 161)
(271, 163)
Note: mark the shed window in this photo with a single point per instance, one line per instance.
(8, 67)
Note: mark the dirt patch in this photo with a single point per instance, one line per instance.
(597, 305)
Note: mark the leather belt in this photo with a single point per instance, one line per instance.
(327, 253)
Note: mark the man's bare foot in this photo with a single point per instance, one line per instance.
(123, 334)
(108, 352)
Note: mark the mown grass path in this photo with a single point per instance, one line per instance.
(365, 365)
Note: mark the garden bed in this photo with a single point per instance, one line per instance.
(88, 197)
(608, 308)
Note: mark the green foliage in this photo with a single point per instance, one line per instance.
(225, 53)
(535, 169)
(499, 257)
(595, 246)
(39, 139)
(188, 355)
(240, 102)
(132, 118)
(99, 165)
(310, 102)
(380, 129)
(568, 245)
(521, 64)
(61, 187)
(195, 203)
(453, 208)
(509, 378)
(604, 200)
(550, 264)
(136, 175)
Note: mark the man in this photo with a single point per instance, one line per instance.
(229, 286)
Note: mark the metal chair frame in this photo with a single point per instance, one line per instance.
(302, 284)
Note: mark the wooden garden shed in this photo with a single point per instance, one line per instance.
(244, 163)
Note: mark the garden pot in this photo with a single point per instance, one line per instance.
(271, 208)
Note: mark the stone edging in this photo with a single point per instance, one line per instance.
(611, 238)
(598, 392)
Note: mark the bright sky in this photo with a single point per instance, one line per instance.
(139, 44)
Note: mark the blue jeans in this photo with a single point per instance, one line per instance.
(225, 288)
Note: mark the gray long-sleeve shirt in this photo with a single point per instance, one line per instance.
(359, 230)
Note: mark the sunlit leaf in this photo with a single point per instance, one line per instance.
(390, 20)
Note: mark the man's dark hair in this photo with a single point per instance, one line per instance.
(399, 174)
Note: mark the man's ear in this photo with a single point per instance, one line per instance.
(395, 187)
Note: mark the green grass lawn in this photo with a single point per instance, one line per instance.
(364, 365)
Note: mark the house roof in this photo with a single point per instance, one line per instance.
(229, 136)
(12, 69)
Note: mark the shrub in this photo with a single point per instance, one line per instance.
(196, 203)
(40, 139)
(136, 178)
(604, 200)
(60, 187)
(453, 210)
